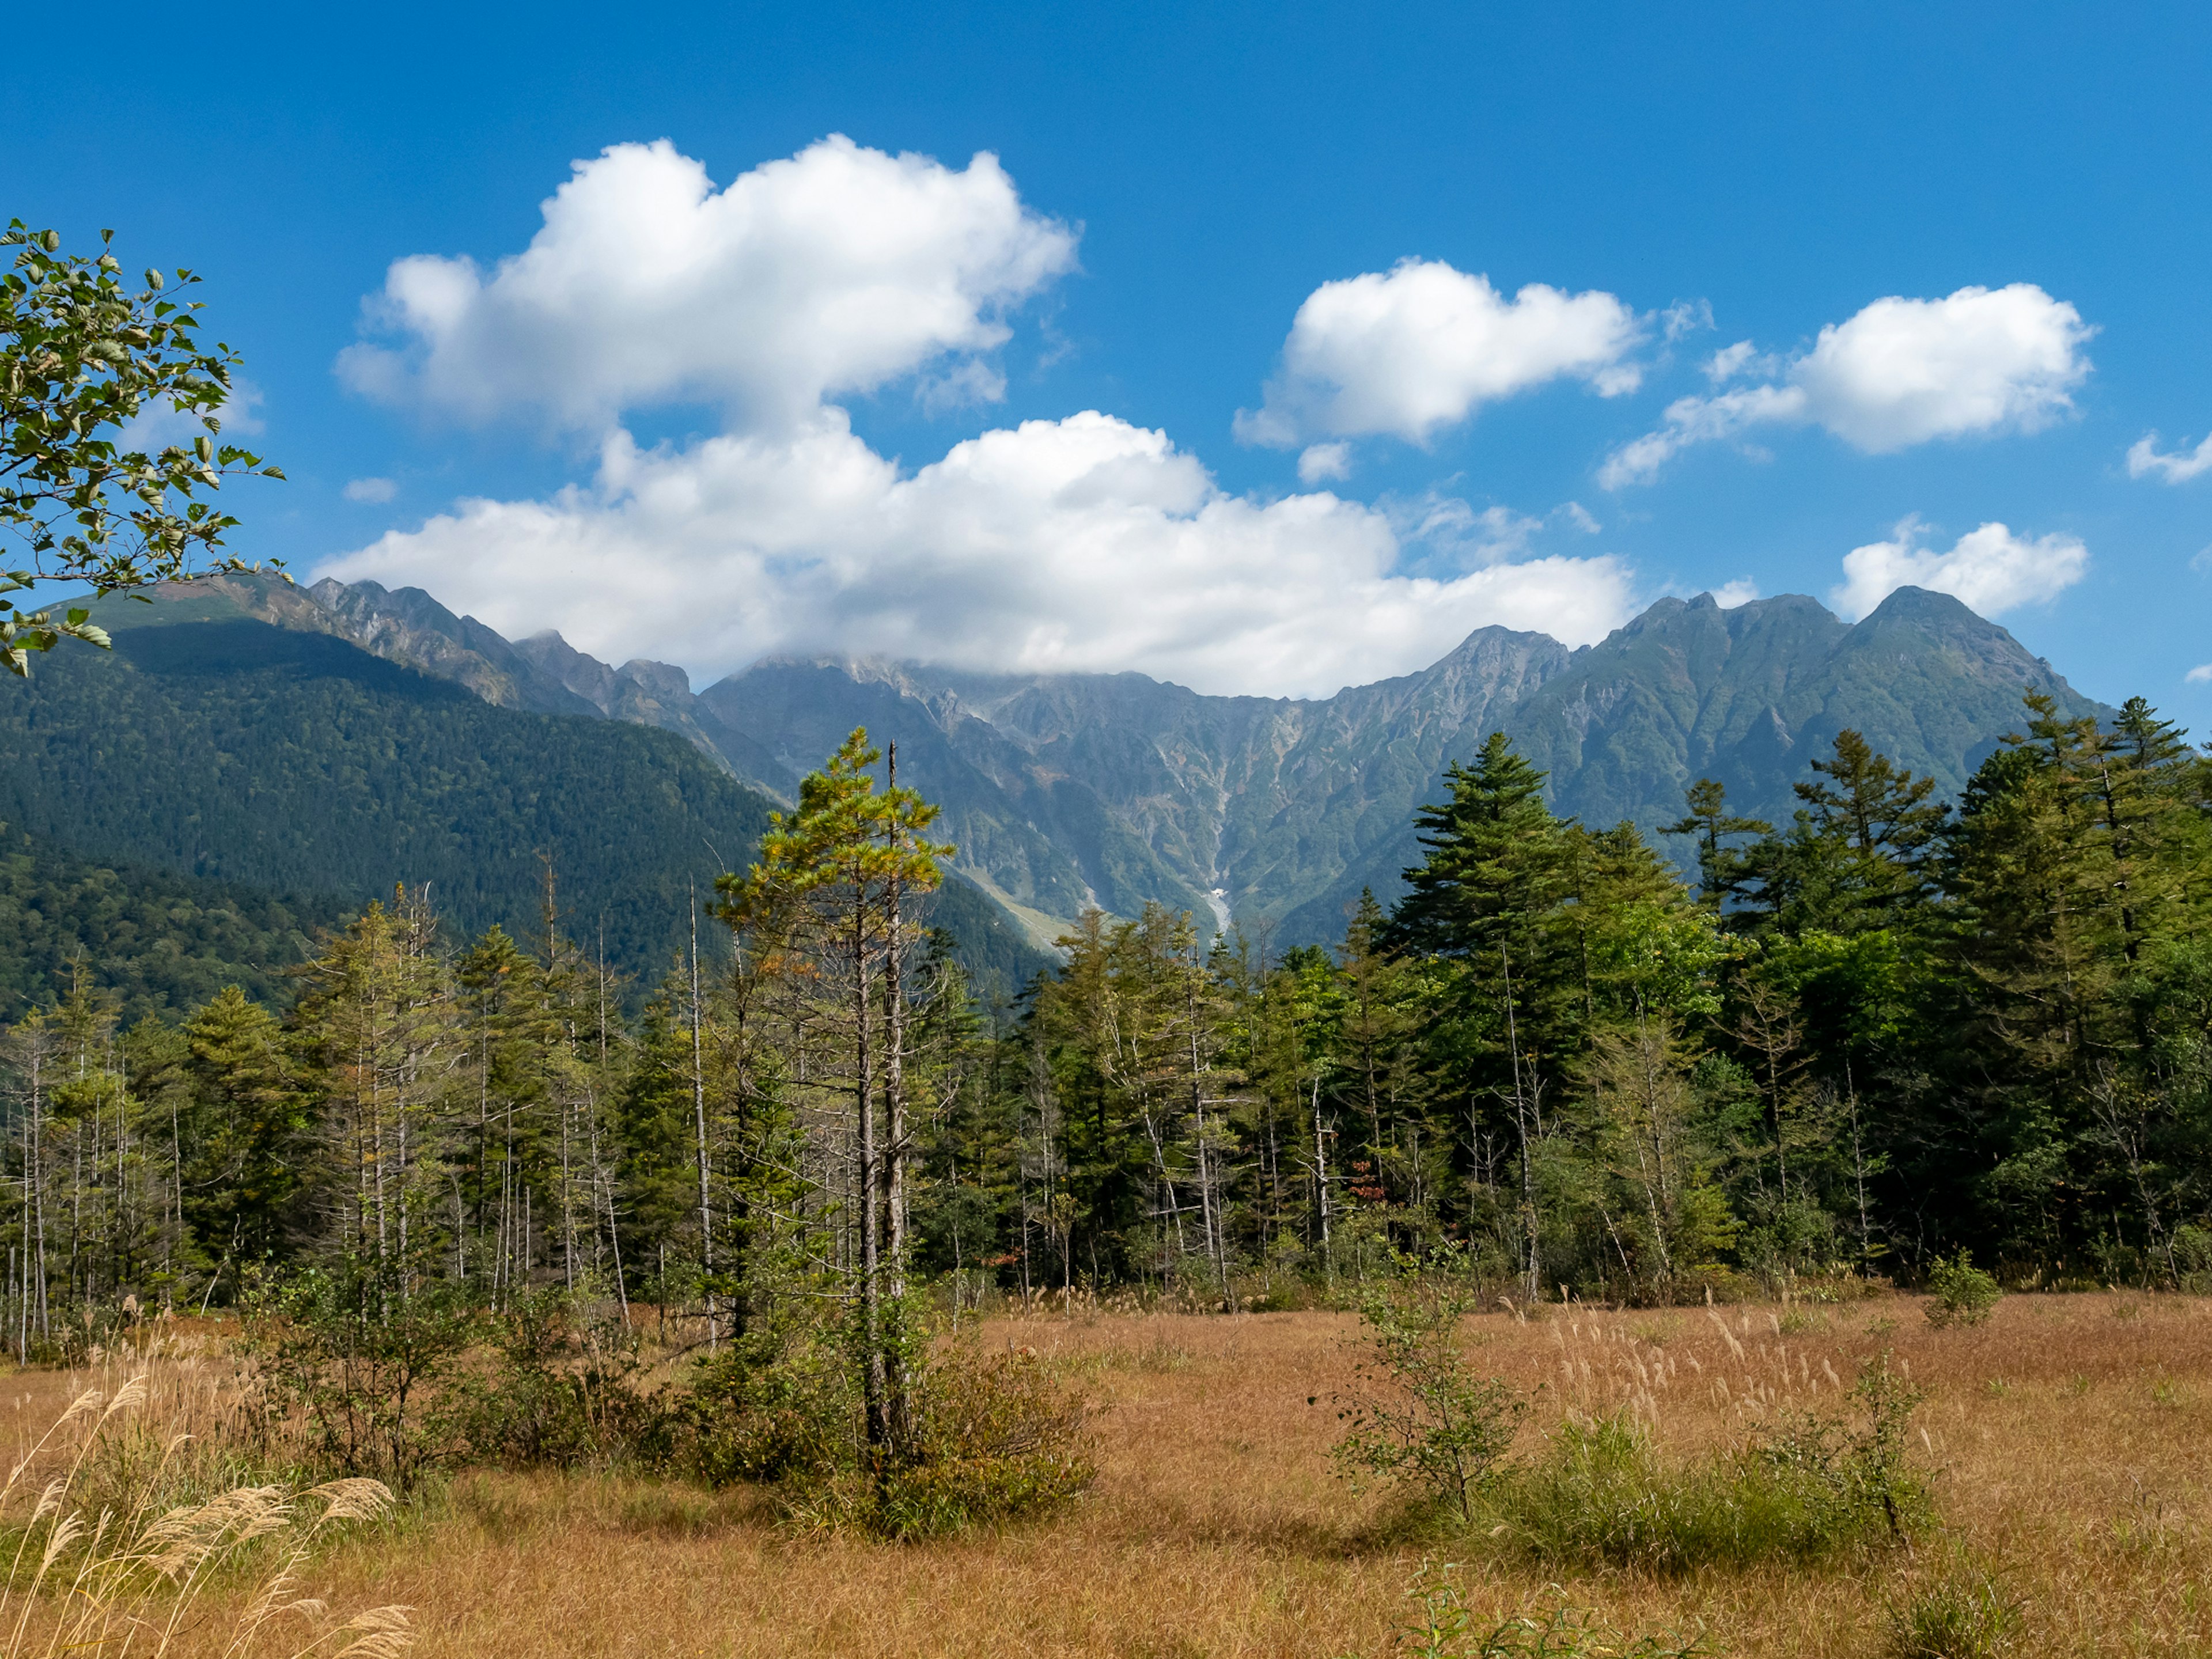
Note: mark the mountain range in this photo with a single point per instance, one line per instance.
(1066, 791)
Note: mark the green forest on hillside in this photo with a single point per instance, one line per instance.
(290, 763)
(159, 943)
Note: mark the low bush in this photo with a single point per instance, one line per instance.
(2192, 1253)
(361, 1355)
(1963, 1294)
(779, 1406)
(550, 1387)
(394, 1379)
(1962, 1615)
(1811, 1487)
(991, 1437)
(997, 1438)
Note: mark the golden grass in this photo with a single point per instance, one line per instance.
(2071, 1435)
(115, 1543)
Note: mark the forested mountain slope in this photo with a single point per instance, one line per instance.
(1065, 791)
(293, 760)
(162, 943)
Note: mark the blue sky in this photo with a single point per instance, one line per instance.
(1178, 184)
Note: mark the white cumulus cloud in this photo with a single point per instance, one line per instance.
(1080, 544)
(1322, 462)
(833, 272)
(1899, 372)
(2144, 458)
(2200, 674)
(1419, 347)
(1990, 570)
(370, 489)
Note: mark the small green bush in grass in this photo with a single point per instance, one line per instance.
(997, 1438)
(992, 1437)
(551, 1388)
(1416, 1413)
(1963, 1294)
(1963, 1614)
(1811, 1487)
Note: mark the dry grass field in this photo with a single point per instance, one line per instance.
(2070, 1440)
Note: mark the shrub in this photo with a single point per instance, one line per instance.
(1964, 1293)
(1811, 1487)
(1445, 1628)
(1964, 1615)
(361, 1353)
(992, 1437)
(553, 1389)
(1418, 1416)
(1879, 1473)
(2192, 1258)
(779, 1406)
(997, 1438)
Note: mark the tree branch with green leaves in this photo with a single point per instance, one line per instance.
(82, 355)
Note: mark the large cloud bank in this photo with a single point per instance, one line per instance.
(1899, 372)
(1080, 544)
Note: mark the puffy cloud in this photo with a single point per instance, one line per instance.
(1899, 372)
(1082, 543)
(1420, 347)
(2144, 458)
(2199, 675)
(838, 270)
(1728, 595)
(1322, 462)
(370, 489)
(1991, 570)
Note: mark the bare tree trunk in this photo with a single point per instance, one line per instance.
(875, 1383)
(39, 1190)
(1321, 1168)
(1521, 1113)
(894, 1154)
(699, 1112)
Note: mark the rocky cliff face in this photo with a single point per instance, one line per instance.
(1065, 791)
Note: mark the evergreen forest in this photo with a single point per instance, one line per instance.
(1887, 1031)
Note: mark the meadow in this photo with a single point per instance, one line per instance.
(2065, 1441)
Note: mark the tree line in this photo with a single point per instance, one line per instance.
(1890, 1030)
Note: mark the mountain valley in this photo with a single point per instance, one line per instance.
(1066, 791)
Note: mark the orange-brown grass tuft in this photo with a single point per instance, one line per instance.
(2069, 1448)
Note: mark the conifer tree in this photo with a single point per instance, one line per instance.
(833, 885)
(245, 1123)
